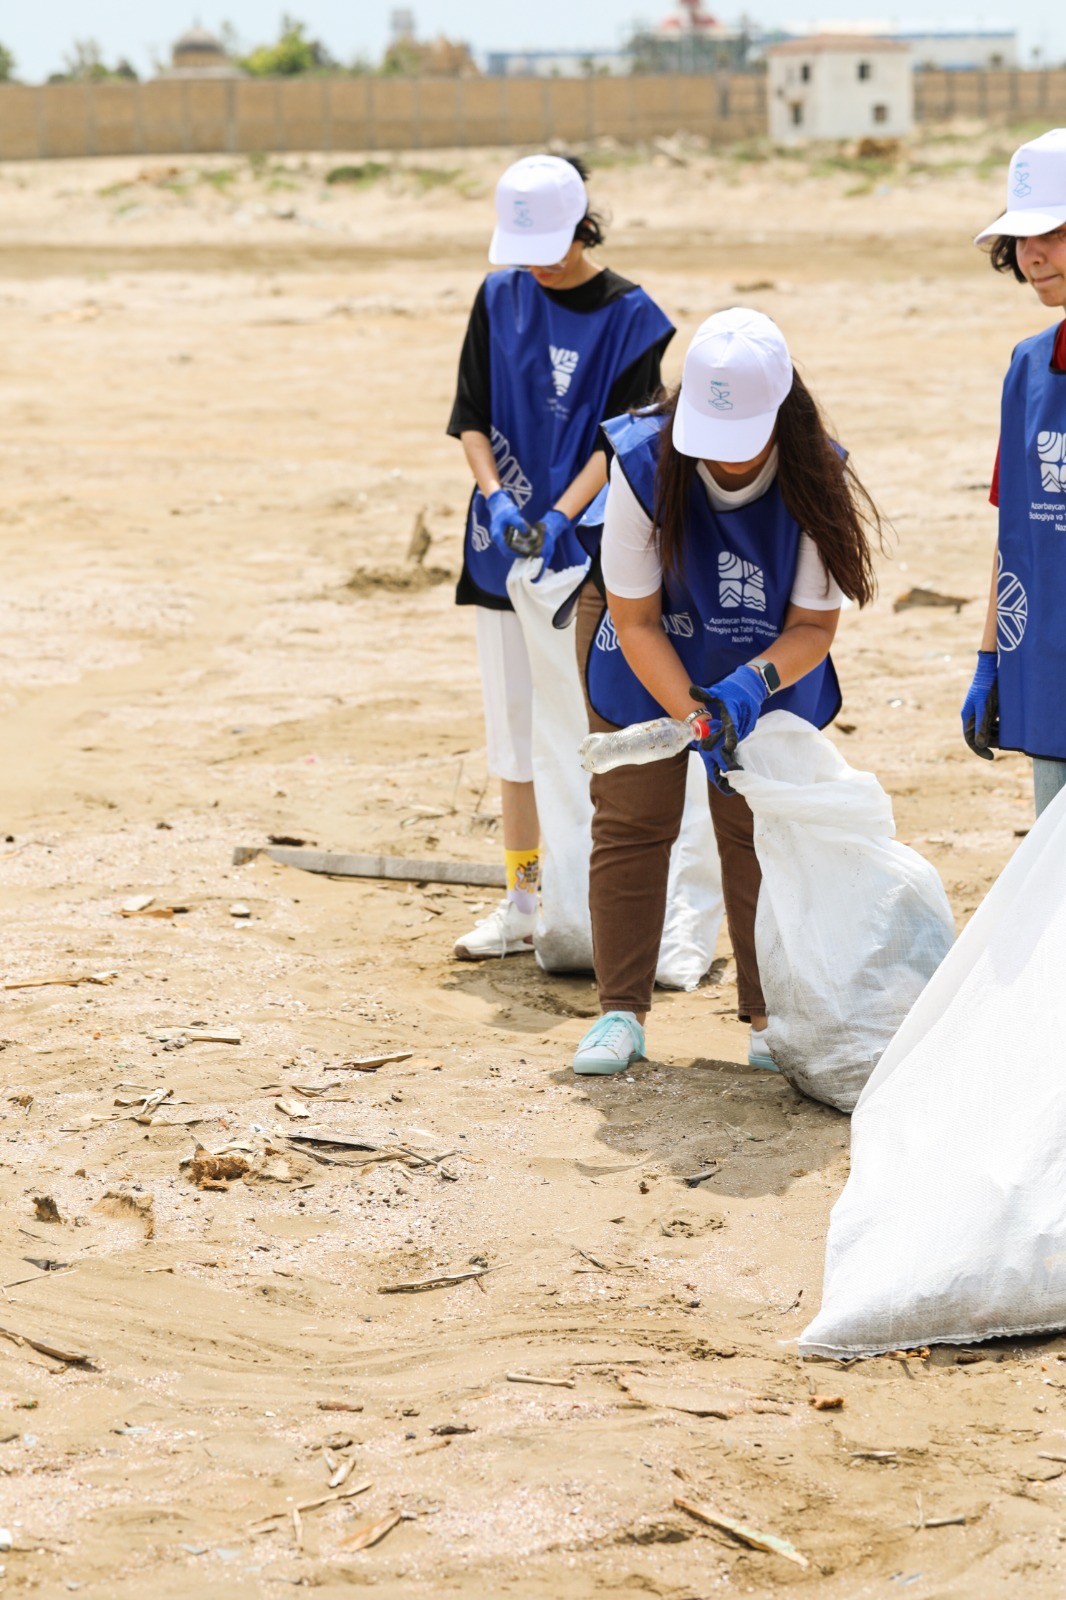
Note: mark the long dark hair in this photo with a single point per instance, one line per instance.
(820, 491)
(1003, 255)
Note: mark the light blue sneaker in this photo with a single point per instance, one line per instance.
(758, 1051)
(611, 1045)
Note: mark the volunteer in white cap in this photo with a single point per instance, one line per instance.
(733, 530)
(1017, 700)
(554, 345)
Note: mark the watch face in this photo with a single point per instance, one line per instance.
(772, 676)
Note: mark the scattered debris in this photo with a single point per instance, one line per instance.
(126, 1206)
(239, 910)
(372, 1063)
(197, 1034)
(421, 539)
(604, 1266)
(136, 904)
(752, 1537)
(530, 1377)
(928, 597)
(217, 1171)
(341, 1473)
(873, 1455)
(44, 983)
(679, 1397)
(827, 1402)
(443, 1282)
(68, 1357)
(45, 1209)
(264, 1524)
(338, 864)
(339, 1405)
(696, 1178)
(293, 1108)
(371, 1533)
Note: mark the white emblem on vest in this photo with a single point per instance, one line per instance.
(1051, 448)
(512, 478)
(606, 638)
(740, 584)
(564, 365)
(1012, 610)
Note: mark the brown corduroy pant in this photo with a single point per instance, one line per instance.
(636, 818)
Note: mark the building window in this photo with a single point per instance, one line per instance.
(865, 71)
(880, 113)
(805, 72)
(797, 114)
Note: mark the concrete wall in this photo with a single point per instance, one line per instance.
(819, 94)
(199, 116)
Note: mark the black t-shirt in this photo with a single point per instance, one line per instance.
(473, 393)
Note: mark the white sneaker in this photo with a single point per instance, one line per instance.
(507, 932)
(612, 1044)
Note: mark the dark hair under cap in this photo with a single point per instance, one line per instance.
(1003, 255)
(592, 229)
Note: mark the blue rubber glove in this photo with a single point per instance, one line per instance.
(505, 518)
(734, 704)
(980, 709)
(555, 524)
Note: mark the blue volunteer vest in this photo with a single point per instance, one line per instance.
(1031, 586)
(729, 603)
(551, 372)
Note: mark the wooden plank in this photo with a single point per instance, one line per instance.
(339, 864)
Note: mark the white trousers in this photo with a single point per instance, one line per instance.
(507, 691)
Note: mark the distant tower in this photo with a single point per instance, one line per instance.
(401, 24)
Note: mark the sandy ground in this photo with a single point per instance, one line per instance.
(225, 391)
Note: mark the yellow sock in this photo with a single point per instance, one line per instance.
(523, 877)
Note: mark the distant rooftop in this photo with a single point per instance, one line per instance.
(824, 43)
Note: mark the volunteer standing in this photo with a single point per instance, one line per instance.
(555, 343)
(1017, 700)
(733, 530)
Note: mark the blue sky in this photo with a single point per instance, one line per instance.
(141, 29)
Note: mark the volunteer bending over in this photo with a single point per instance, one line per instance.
(733, 530)
(555, 343)
(1017, 700)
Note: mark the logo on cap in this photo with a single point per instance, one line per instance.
(1021, 188)
(719, 395)
(523, 217)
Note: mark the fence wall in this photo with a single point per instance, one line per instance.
(197, 116)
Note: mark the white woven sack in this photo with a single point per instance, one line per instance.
(850, 925)
(563, 937)
(952, 1225)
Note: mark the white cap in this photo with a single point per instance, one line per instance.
(539, 202)
(737, 372)
(1036, 189)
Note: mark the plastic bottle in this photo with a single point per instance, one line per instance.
(641, 742)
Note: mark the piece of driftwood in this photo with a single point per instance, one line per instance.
(341, 864)
(754, 1538)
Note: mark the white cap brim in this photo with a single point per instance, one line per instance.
(1024, 224)
(514, 249)
(718, 439)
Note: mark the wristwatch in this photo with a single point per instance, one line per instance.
(768, 673)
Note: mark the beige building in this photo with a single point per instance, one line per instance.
(198, 54)
(839, 86)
